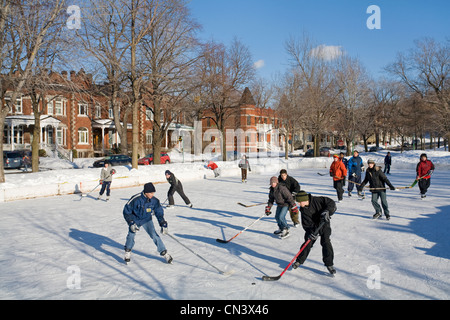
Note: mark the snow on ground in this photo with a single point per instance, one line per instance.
(68, 247)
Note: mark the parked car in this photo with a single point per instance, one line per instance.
(149, 159)
(114, 160)
(12, 160)
(323, 152)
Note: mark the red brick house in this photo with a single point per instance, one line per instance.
(73, 120)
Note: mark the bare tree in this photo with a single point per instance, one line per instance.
(24, 26)
(353, 82)
(318, 86)
(425, 70)
(169, 51)
(223, 73)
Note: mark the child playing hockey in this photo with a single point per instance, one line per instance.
(138, 213)
(105, 180)
(377, 180)
(315, 210)
(338, 172)
(213, 166)
(424, 171)
(175, 185)
(282, 196)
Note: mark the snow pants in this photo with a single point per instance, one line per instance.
(150, 229)
(338, 185)
(325, 242)
(424, 184)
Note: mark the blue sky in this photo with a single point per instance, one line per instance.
(265, 25)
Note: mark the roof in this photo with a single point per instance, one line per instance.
(247, 98)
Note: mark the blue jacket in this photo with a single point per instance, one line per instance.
(139, 209)
(354, 166)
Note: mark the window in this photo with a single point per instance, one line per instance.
(149, 114)
(83, 136)
(149, 137)
(18, 105)
(249, 120)
(98, 111)
(61, 136)
(60, 107)
(82, 109)
(50, 107)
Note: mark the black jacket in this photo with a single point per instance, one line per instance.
(311, 214)
(291, 184)
(281, 195)
(376, 179)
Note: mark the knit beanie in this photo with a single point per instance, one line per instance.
(273, 180)
(168, 172)
(301, 196)
(149, 188)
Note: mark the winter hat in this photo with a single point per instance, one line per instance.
(168, 172)
(149, 188)
(336, 156)
(273, 180)
(301, 196)
(370, 161)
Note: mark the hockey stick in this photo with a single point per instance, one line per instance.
(250, 205)
(420, 178)
(220, 271)
(321, 174)
(275, 278)
(226, 241)
(85, 195)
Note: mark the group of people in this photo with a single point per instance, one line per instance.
(313, 211)
(376, 178)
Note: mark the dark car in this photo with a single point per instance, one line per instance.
(12, 160)
(323, 152)
(113, 160)
(149, 159)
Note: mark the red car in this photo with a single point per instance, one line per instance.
(149, 159)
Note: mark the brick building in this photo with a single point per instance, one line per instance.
(248, 128)
(74, 120)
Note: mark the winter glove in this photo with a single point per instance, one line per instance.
(392, 188)
(133, 227)
(101, 182)
(164, 228)
(354, 174)
(325, 216)
(294, 209)
(313, 237)
(268, 212)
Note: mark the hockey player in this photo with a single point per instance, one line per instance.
(355, 166)
(338, 172)
(424, 170)
(175, 185)
(245, 166)
(280, 194)
(293, 186)
(313, 211)
(106, 180)
(377, 180)
(213, 166)
(138, 213)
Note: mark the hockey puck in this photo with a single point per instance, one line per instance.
(253, 283)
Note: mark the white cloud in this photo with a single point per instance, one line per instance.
(327, 52)
(259, 64)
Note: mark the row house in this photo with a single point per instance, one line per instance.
(251, 128)
(71, 121)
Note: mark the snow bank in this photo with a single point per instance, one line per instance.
(61, 177)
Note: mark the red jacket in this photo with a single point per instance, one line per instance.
(338, 170)
(212, 165)
(423, 167)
